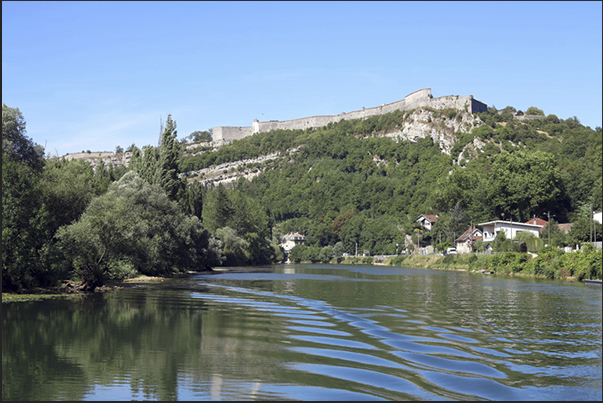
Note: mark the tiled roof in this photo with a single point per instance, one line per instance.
(537, 221)
(430, 217)
(469, 235)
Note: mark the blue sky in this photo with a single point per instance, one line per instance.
(95, 75)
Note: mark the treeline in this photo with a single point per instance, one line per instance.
(63, 220)
(345, 187)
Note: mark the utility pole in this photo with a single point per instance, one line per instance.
(549, 225)
(590, 221)
(511, 225)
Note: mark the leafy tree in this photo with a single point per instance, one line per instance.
(218, 209)
(296, 254)
(192, 200)
(16, 146)
(134, 227)
(326, 254)
(236, 249)
(524, 184)
(199, 137)
(159, 166)
(24, 226)
(246, 217)
(584, 227)
(68, 188)
(558, 238)
(532, 110)
(25, 218)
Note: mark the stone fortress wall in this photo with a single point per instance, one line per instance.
(421, 98)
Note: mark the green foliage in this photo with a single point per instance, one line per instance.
(584, 228)
(69, 186)
(134, 227)
(339, 173)
(199, 137)
(304, 253)
(245, 219)
(524, 184)
(39, 196)
(297, 253)
(532, 110)
(24, 226)
(16, 146)
(159, 166)
(398, 261)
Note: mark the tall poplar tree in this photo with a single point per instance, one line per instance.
(159, 166)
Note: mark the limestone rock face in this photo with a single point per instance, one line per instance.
(424, 123)
(108, 158)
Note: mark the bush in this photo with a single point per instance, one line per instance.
(397, 261)
(448, 259)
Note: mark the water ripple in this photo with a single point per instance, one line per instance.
(418, 355)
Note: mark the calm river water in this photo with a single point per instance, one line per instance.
(310, 332)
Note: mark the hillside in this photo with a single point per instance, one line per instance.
(356, 184)
(367, 180)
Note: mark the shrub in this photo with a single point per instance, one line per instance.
(397, 261)
(448, 259)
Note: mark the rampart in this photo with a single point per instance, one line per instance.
(421, 98)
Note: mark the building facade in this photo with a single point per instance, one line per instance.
(510, 229)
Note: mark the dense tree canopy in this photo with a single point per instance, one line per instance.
(134, 227)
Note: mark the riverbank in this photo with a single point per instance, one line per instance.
(550, 263)
(71, 288)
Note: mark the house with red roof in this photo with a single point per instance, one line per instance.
(466, 242)
(427, 220)
(538, 221)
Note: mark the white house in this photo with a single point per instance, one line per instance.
(292, 239)
(511, 229)
(427, 220)
(597, 217)
(466, 242)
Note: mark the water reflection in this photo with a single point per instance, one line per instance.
(310, 333)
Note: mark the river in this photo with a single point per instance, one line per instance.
(310, 332)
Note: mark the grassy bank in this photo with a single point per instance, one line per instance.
(549, 263)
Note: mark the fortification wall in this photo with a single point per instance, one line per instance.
(477, 106)
(229, 133)
(420, 98)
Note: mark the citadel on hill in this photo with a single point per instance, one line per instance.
(226, 134)
(420, 98)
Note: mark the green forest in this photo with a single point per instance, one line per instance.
(343, 186)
